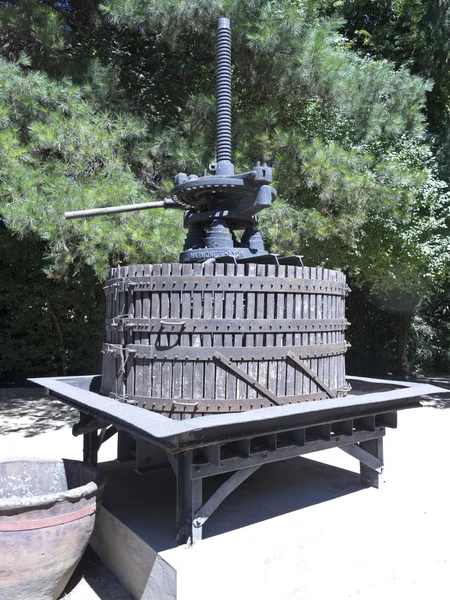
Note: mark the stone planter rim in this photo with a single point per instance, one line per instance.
(45, 500)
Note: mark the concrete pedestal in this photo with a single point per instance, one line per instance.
(254, 544)
(295, 530)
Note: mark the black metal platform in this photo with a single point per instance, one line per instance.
(238, 442)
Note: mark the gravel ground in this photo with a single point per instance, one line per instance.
(91, 580)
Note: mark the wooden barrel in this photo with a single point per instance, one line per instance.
(215, 338)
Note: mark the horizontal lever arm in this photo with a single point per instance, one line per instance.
(111, 210)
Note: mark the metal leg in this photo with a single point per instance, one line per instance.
(90, 448)
(370, 476)
(126, 447)
(189, 500)
(150, 458)
(221, 493)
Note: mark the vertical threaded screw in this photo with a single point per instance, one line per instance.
(223, 90)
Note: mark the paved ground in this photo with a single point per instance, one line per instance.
(410, 555)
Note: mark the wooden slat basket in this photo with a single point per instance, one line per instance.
(190, 339)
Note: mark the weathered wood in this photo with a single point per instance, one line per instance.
(313, 376)
(161, 338)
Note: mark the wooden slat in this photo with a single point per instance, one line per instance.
(270, 338)
(186, 340)
(161, 370)
(229, 338)
(297, 341)
(321, 385)
(290, 302)
(197, 313)
(218, 312)
(280, 337)
(126, 303)
(262, 373)
(138, 338)
(261, 390)
(251, 367)
(207, 340)
(164, 340)
(240, 300)
(155, 311)
(175, 313)
(320, 364)
(312, 337)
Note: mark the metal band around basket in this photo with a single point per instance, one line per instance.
(205, 354)
(224, 326)
(49, 521)
(204, 283)
(222, 406)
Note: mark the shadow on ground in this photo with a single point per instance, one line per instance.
(303, 483)
(437, 400)
(33, 415)
(90, 572)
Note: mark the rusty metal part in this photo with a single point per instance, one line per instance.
(317, 380)
(47, 514)
(226, 325)
(199, 283)
(214, 406)
(197, 354)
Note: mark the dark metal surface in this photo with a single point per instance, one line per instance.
(223, 97)
(220, 203)
(175, 436)
(241, 443)
(207, 406)
(259, 450)
(187, 326)
(196, 354)
(235, 283)
(246, 342)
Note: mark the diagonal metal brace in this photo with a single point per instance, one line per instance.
(364, 457)
(219, 496)
(227, 364)
(317, 380)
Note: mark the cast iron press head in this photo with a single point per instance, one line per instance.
(219, 203)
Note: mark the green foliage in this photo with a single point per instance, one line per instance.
(49, 327)
(430, 340)
(345, 134)
(101, 104)
(59, 152)
(411, 33)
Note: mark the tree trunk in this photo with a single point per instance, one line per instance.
(403, 322)
(60, 336)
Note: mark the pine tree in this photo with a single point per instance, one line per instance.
(102, 104)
